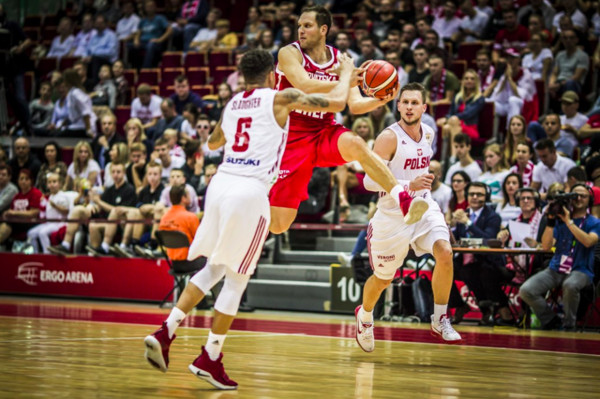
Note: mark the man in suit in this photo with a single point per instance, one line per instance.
(103, 142)
(483, 274)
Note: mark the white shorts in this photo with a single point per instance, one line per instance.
(388, 239)
(235, 223)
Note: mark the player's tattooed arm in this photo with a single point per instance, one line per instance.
(296, 99)
(217, 139)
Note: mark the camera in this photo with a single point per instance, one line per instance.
(559, 200)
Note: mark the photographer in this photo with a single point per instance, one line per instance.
(575, 233)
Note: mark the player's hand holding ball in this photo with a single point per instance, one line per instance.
(380, 80)
(347, 63)
(422, 182)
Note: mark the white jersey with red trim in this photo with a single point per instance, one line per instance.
(306, 120)
(411, 159)
(255, 141)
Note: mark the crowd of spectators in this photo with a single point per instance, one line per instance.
(527, 61)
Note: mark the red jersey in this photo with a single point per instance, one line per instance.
(30, 200)
(303, 120)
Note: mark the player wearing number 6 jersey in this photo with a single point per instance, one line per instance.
(314, 138)
(253, 129)
(406, 146)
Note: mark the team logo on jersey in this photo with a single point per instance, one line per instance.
(417, 163)
(242, 161)
(386, 258)
(419, 152)
(428, 137)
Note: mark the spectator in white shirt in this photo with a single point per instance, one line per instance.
(462, 148)
(570, 8)
(551, 168)
(82, 120)
(539, 59)
(84, 36)
(206, 35)
(571, 120)
(146, 106)
(57, 207)
(448, 23)
(440, 192)
(62, 44)
(472, 24)
(128, 24)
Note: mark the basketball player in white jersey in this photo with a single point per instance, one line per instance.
(406, 146)
(253, 129)
(314, 139)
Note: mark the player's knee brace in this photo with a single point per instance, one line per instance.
(206, 278)
(230, 296)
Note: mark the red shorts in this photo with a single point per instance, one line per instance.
(469, 130)
(303, 152)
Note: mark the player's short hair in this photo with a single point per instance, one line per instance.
(176, 193)
(545, 144)
(414, 86)
(256, 65)
(322, 16)
(462, 138)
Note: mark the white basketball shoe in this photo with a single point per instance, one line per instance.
(364, 333)
(443, 329)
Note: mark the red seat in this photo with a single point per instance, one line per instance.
(131, 76)
(166, 90)
(66, 62)
(196, 59)
(339, 20)
(203, 90)
(458, 67)
(220, 58)
(468, 51)
(221, 73)
(168, 75)
(541, 92)
(150, 76)
(45, 66)
(67, 155)
(198, 75)
(32, 32)
(33, 21)
(49, 32)
(123, 114)
(29, 81)
(171, 59)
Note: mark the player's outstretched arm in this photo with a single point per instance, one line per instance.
(385, 148)
(333, 101)
(359, 104)
(217, 138)
(290, 63)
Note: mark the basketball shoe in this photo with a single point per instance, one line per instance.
(212, 371)
(443, 329)
(413, 209)
(364, 333)
(157, 348)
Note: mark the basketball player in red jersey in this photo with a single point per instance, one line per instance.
(314, 138)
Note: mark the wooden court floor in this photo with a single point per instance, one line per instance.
(72, 349)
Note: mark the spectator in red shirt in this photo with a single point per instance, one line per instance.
(513, 35)
(26, 204)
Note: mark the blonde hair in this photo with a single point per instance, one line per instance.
(501, 165)
(122, 153)
(510, 145)
(170, 133)
(76, 165)
(137, 123)
(460, 96)
(137, 147)
(364, 119)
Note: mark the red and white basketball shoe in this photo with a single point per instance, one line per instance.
(413, 209)
(212, 371)
(364, 333)
(157, 348)
(443, 329)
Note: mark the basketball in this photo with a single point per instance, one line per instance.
(380, 79)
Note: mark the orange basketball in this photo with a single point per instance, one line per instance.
(380, 79)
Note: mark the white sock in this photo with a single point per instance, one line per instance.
(396, 192)
(214, 344)
(439, 311)
(175, 318)
(123, 246)
(364, 316)
(67, 245)
(105, 246)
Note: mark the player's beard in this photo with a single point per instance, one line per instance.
(411, 123)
